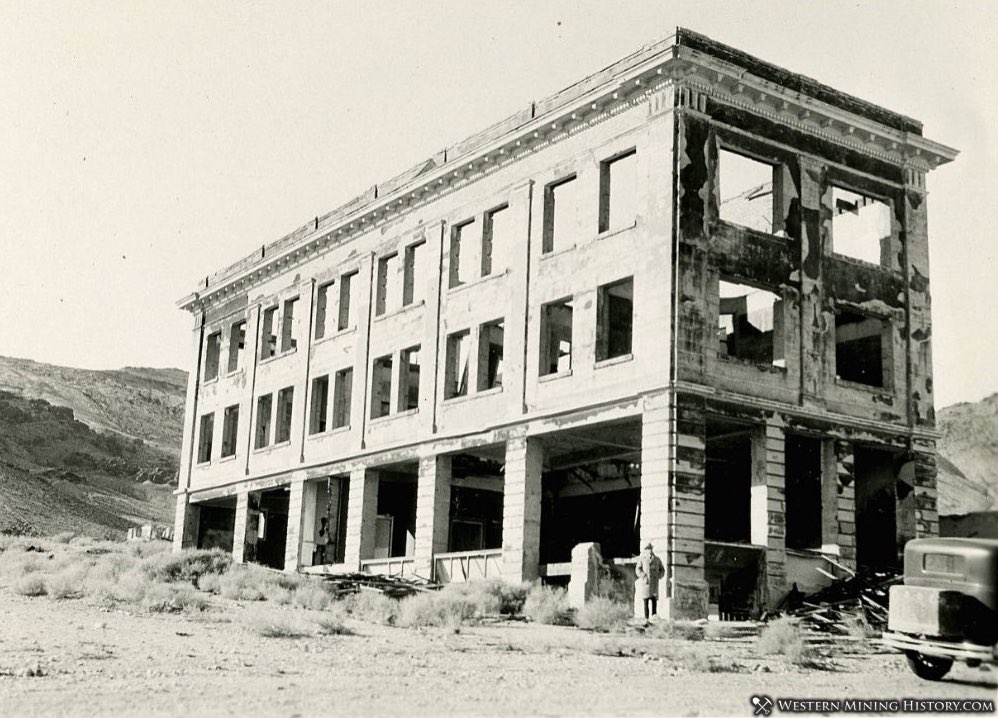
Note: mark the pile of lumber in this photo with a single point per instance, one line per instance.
(391, 586)
(859, 598)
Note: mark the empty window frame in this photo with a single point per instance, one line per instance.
(205, 432)
(457, 364)
(556, 337)
(320, 405)
(860, 348)
(618, 191)
(614, 319)
(461, 266)
(409, 379)
(561, 214)
(490, 347)
(289, 327)
(750, 324)
(415, 273)
(213, 348)
(285, 403)
(861, 226)
(264, 409)
(388, 296)
(322, 308)
(230, 430)
(745, 191)
(381, 386)
(342, 397)
(348, 301)
(497, 240)
(268, 333)
(237, 345)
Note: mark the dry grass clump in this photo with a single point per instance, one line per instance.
(546, 604)
(786, 638)
(67, 583)
(64, 537)
(439, 608)
(312, 595)
(187, 566)
(492, 596)
(373, 607)
(172, 598)
(278, 627)
(680, 630)
(604, 615)
(240, 583)
(713, 664)
(333, 623)
(30, 584)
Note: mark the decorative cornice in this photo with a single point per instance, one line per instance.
(664, 75)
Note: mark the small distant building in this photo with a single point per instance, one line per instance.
(684, 300)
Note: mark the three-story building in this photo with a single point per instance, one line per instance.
(684, 301)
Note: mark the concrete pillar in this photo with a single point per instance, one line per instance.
(768, 506)
(829, 499)
(521, 520)
(239, 529)
(185, 523)
(587, 566)
(926, 492)
(362, 510)
(432, 511)
(846, 503)
(673, 449)
(292, 547)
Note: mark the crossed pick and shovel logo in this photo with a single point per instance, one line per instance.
(763, 705)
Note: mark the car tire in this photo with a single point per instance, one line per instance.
(930, 668)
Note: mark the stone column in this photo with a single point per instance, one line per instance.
(239, 529)
(185, 523)
(768, 506)
(362, 510)
(521, 519)
(846, 503)
(292, 547)
(926, 493)
(829, 499)
(432, 511)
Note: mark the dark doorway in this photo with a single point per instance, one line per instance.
(803, 492)
(271, 527)
(876, 509)
(216, 523)
(728, 482)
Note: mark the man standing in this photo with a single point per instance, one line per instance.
(322, 545)
(649, 570)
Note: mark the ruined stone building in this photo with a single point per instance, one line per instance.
(685, 301)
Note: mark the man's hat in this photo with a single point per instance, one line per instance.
(648, 545)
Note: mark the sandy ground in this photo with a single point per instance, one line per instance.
(95, 662)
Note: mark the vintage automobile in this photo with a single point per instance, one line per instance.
(947, 608)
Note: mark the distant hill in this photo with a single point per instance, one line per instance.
(84, 450)
(968, 456)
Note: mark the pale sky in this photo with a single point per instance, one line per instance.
(144, 145)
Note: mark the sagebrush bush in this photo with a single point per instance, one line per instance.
(333, 623)
(64, 537)
(241, 583)
(546, 604)
(312, 595)
(273, 592)
(68, 583)
(604, 615)
(435, 608)
(172, 598)
(373, 607)
(187, 566)
(15, 563)
(682, 630)
(278, 627)
(491, 596)
(30, 584)
(779, 636)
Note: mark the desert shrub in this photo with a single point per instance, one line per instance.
(546, 604)
(713, 664)
(313, 595)
(492, 596)
(15, 563)
(604, 615)
(144, 549)
(276, 593)
(278, 627)
(437, 608)
(778, 637)
(681, 630)
(187, 566)
(131, 586)
(64, 537)
(212, 583)
(172, 598)
(333, 623)
(30, 584)
(289, 581)
(373, 607)
(242, 583)
(68, 583)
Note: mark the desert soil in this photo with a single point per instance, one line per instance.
(93, 661)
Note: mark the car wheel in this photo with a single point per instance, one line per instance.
(931, 668)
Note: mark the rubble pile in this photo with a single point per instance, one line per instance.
(859, 599)
(391, 586)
